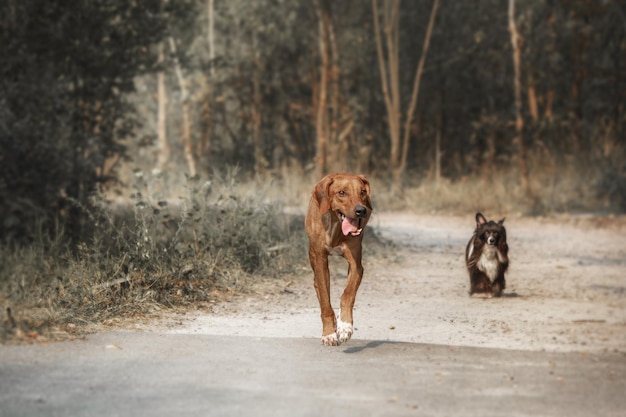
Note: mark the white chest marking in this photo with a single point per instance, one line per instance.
(488, 262)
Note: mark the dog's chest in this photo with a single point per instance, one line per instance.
(488, 261)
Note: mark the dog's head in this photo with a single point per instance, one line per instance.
(490, 232)
(347, 197)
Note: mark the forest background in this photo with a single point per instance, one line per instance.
(206, 114)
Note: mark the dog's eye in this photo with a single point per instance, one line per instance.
(341, 193)
(363, 192)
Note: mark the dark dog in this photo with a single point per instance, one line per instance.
(338, 212)
(487, 258)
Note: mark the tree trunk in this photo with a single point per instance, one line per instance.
(210, 35)
(519, 121)
(163, 148)
(260, 162)
(186, 133)
(389, 71)
(321, 123)
(399, 171)
(208, 110)
(549, 102)
(334, 72)
(390, 80)
(438, 135)
(532, 99)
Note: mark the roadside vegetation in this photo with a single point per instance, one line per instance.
(145, 255)
(121, 122)
(151, 248)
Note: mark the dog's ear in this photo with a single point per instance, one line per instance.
(480, 219)
(501, 222)
(366, 184)
(321, 194)
(503, 230)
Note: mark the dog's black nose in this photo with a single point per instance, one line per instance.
(491, 240)
(360, 211)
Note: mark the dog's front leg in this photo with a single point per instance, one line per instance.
(503, 263)
(498, 284)
(479, 283)
(321, 276)
(355, 274)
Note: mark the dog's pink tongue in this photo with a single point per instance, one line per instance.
(349, 226)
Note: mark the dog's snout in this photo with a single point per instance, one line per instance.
(360, 211)
(491, 240)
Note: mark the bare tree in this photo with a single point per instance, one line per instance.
(389, 69)
(415, 92)
(162, 145)
(321, 122)
(184, 98)
(208, 106)
(260, 162)
(333, 119)
(517, 87)
(390, 79)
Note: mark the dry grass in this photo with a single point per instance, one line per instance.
(148, 255)
(160, 249)
(592, 183)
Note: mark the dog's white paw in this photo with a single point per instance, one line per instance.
(330, 340)
(482, 295)
(344, 331)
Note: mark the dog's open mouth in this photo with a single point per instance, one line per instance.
(350, 226)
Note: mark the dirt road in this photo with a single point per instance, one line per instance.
(566, 290)
(554, 345)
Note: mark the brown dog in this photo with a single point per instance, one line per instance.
(338, 212)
